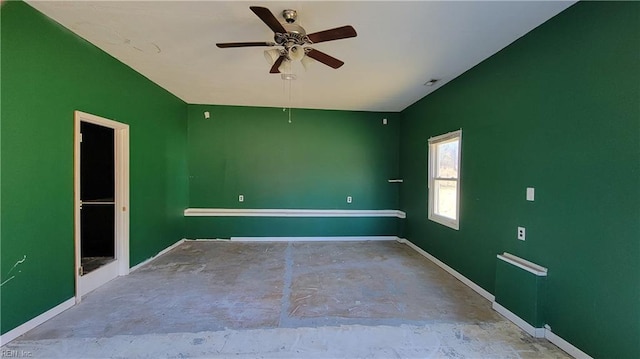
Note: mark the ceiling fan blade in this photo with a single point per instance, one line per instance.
(324, 58)
(276, 65)
(333, 34)
(225, 45)
(267, 17)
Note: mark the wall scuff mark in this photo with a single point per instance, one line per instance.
(24, 258)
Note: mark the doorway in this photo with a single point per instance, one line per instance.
(101, 197)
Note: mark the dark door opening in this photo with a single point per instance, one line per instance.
(97, 195)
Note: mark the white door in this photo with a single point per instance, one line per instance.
(102, 200)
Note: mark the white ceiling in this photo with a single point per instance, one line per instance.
(400, 46)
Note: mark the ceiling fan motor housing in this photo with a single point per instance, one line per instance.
(295, 35)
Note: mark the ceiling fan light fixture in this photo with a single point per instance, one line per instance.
(271, 55)
(285, 68)
(307, 62)
(296, 53)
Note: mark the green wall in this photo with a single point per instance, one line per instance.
(314, 162)
(227, 227)
(521, 292)
(47, 73)
(557, 110)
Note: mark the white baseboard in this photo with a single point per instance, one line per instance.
(490, 297)
(314, 239)
(565, 345)
(541, 333)
(533, 331)
(208, 240)
(25, 327)
(157, 255)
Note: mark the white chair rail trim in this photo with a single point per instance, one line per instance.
(227, 212)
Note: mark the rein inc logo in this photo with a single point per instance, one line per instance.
(14, 353)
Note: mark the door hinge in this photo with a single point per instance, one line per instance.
(80, 137)
(80, 271)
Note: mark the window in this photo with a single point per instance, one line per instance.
(444, 178)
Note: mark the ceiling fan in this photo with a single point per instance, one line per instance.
(293, 39)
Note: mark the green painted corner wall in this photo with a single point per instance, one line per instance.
(47, 73)
(558, 111)
(314, 162)
(521, 292)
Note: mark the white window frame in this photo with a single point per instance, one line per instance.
(433, 142)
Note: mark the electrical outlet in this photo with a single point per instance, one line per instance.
(349, 199)
(531, 194)
(521, 233)
(241, 198)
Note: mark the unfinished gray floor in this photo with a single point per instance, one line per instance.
(284, 300)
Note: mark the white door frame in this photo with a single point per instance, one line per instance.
(121, 134)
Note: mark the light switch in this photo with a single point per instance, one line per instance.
(531, 192)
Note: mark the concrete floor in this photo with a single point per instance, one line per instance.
(284, 300)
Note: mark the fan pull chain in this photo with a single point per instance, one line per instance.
(284, 92)
(289, 101)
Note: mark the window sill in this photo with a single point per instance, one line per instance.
(445, 221)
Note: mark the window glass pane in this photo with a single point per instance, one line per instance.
(445, 193)
(444, 179)
(447, 160)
